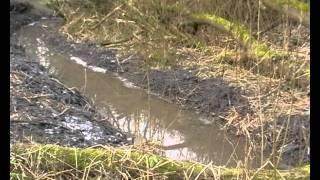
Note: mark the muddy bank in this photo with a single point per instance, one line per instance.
(177, 85)
(42, 109)
(212, 97)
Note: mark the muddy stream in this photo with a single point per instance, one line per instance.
(183, 134)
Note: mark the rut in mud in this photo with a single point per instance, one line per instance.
(126, 106)
(44, 110)
(50, 112)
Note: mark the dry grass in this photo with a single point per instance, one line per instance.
(162, 33)
(156, 29)
(56, 162)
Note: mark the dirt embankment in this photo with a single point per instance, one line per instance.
(213, 96)
(177, 85)
(44, 110)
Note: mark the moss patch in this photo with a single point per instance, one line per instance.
(53, 159)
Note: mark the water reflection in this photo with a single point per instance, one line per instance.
(183, 134)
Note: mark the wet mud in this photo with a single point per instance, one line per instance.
(67, 117)
(44, 110)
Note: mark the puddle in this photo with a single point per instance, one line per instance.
(183, 134)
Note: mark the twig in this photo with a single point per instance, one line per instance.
(126, 59)
(64, 111)
(106, 17)
(39, 96)
(134, 35)
(116, 42)
(70, 89)
(264, 95)
(20, 73)
(119, 64)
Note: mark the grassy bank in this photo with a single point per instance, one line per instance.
(252, 46)
(157, 30)
(261, 52)
(52, 161)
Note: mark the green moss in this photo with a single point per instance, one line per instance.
(156, 29)
(297, 4)
(258, 49)
(55, 158)
(261, 50)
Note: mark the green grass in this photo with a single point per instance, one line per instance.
(53, 161)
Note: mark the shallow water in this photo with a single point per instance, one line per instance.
(183, 134)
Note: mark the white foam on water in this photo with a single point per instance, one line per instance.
(127, 83)
(97, 69)
(32, 24)
(79, 61)
(84, 64)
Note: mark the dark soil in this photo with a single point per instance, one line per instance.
(177, 85)
(42, 109)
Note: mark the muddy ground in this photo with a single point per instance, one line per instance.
(42, 109)
(42, 106)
